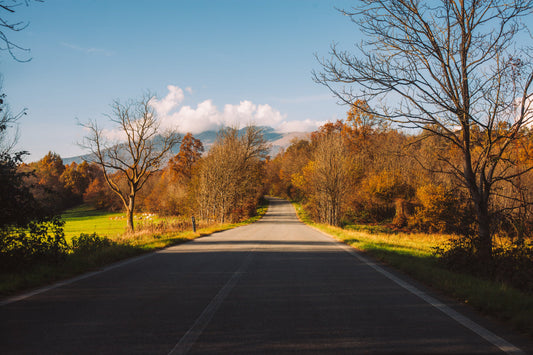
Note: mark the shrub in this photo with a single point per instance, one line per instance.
(41, 241)
(510, 264)
(90, 243)
(442, 210)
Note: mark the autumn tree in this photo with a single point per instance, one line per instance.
(43, 177)
(100, 196)
(450, 68)
(191, 150)
(230, 176)
(169, 192)
(76, 178)
(141, 151)
(285, 166)
(328, 176)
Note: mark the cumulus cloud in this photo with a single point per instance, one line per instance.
(174, 97)
(206, 116)
(299, 126)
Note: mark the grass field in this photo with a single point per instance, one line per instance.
(413, 254)
(85, 219)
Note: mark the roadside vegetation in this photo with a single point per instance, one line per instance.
(103, 240)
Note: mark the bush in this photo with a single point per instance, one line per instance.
(41, 241)
(511, 264)
(442, 209)
(514, 265)
(90, 243)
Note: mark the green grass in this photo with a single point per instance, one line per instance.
(413, 254)
(86, 220)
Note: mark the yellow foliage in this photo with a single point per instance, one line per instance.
(442, 209)
(385, 185)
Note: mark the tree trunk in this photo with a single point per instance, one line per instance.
(484, 241)
(129, 212)
(480, 196)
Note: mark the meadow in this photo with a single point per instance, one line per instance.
(86, 219)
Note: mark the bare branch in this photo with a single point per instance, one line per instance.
(135, 158)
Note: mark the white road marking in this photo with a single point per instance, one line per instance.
(188, 340)
(486, 334)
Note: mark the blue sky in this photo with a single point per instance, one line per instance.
(209, 62)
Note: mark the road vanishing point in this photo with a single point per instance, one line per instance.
(276, 286)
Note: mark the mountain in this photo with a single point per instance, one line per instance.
(277, 140)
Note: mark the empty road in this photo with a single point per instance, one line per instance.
(276, 286)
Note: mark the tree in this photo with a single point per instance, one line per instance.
(99, 195)
(290, 164)
(191, 150)
(137, 156)
(448, 68)
(229, 177)
(44, 181)
(8, 122)
(328, 176)
(7, 24)
(17, 204)
(76, 178)
(169, 192)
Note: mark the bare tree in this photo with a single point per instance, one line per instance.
(8, 127)
(449, 68)
(228, 175)
(330, 175)
(8, 24)
(141, 151)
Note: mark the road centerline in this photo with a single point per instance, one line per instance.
(190, 337)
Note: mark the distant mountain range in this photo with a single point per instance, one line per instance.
(277, 140)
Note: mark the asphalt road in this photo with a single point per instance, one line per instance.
(276, 286)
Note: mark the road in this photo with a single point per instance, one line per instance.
(275, 286)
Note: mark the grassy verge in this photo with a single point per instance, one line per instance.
(413, 254)
(85, 220)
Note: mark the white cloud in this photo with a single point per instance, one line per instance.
(174, 97)
(206, 116)
(195, 120)
(299, 126)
